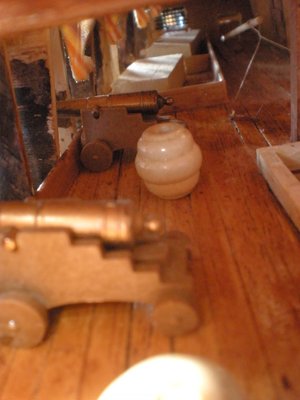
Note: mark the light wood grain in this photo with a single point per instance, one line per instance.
(197, 63)
(200, 95)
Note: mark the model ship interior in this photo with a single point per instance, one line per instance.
(116, 247)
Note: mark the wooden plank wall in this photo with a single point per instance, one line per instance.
(204, 14)
(273, 14)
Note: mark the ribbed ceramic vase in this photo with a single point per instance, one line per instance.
(168, 160)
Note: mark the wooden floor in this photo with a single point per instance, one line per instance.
(246, 262)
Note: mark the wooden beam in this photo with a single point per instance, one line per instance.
(294, 18)
(20, 15)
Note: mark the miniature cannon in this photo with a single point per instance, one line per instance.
(112, 122)
(60, 252)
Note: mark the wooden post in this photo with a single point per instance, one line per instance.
(294, 18)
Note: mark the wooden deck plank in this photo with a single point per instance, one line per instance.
(259, 238)
(23, 360)
(110, 324)
(229, 314)
(7, 355)
(106, 353)
(61, 373)
(265, 97)
(245, 261)
(144, 340)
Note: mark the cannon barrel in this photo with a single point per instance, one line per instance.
(113, 222)
(143, 102)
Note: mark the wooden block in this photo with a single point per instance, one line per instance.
(197, 93)
(197, 63)
(277, 165)
(201, 95)
(191, 37)
(153, 73)
(184, 42)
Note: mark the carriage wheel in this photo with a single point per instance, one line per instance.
(96, 156)
(175, 316)
(23, 320)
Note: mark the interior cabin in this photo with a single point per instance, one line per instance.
(216, 266)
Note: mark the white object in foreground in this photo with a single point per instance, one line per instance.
(168, 160)
(184, 42)
(173, 377)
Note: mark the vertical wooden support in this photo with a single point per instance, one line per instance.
(15, 182)
(31, 70)
(59, 88)
(110, 62)
(58, 66)
(294, 22)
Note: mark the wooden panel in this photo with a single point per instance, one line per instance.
(205, 14)
(197, 63)
(273, 25)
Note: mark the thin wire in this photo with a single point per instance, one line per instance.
(248, 67)
(260, 38)
(276, 44)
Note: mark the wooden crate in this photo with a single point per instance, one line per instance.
(204, 85)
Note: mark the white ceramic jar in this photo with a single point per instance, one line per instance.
(174, 377)
(168, 160)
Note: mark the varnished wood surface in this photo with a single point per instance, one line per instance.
(246, 263)
(23, 15)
